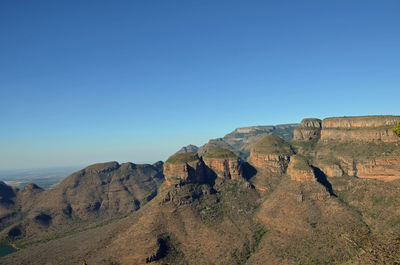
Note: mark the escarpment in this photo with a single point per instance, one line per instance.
(347, 129)
(363, 147)
(384, 168)
(364, 128)
(308, 201)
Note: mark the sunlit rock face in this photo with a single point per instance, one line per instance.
(184, 168)
(271, 153)
(308, 130)
(300, 170)
(225, 168)
(363, 128)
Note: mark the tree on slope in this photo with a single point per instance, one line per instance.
(396, 129)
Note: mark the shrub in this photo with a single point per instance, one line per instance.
(396, 129)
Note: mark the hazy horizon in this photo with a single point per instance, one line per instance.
(86, 82)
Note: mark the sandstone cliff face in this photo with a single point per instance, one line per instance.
(363, 147)
(380, 168)
(363, 122)
(181, 173)
(225, 168)
(184, 168)
(271, 153)
(332, 170)
(308, 130)
(299, 170)
(273, 162)
(190, 168)
(383, 134)
(364, 128)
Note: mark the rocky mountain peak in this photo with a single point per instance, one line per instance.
(187, 149)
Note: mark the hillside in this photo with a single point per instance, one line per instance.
(313, 200)
(96, 194)
(241, 140)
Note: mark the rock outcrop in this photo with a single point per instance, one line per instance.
(308, 130)
(189, 167)
(300, 170)
(332, 170)
(363, 147)
(224, 163)
(271, 153)
(363, 128)
(379, 168)
(184, 168)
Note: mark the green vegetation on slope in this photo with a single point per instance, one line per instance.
(396, 129)
(183, 158)
(220, 153)
(272, 144)
(300, 163)
(103, 166)
(360, 149)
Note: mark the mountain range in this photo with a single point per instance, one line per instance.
(241, 139)
(318, 192)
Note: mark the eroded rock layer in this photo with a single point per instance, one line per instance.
(225, 168)
(271, 153)
(184, 168)
(364, 128)
(300, 170)
(309, 129)
(381, 168)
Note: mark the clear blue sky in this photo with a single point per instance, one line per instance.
(92, 81)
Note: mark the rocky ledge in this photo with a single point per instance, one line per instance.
(362, 128)
(379, 168)
(365, 128)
